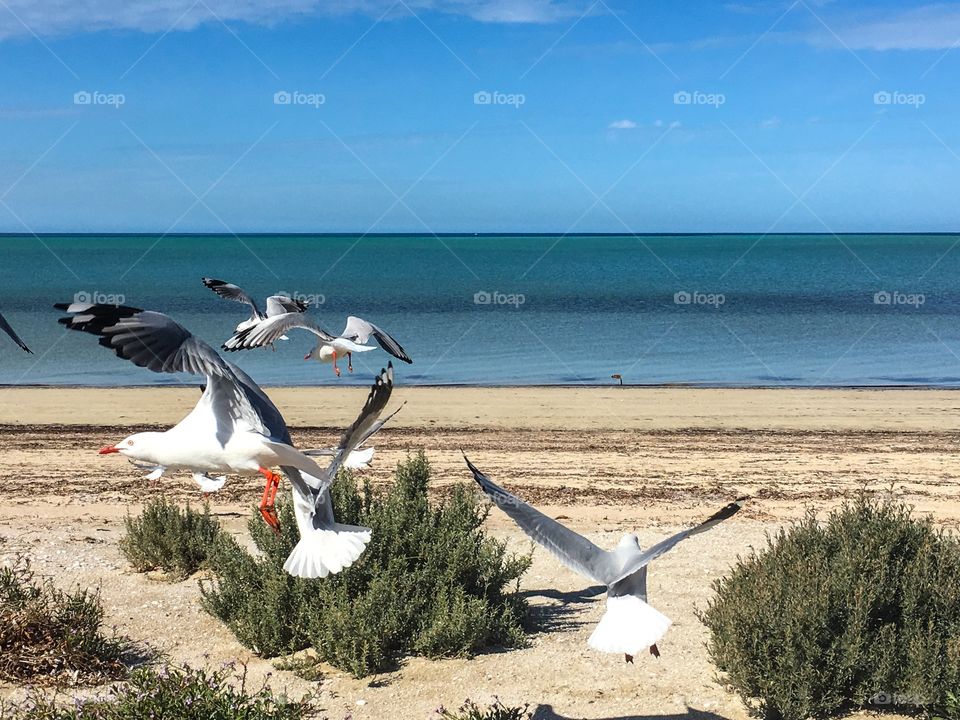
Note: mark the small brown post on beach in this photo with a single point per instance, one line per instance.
(618, 376)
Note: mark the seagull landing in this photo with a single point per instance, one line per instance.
(629, 624)
(275, 304)
(352, 340)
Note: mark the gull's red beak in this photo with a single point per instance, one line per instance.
(108, 450)
(307, 356)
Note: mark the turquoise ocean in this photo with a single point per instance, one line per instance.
(715, 310)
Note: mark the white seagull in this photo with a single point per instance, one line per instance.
(358, 459)
(275, 304)
(5, 326)
(353, 339)
(234, 428)
(629, 625)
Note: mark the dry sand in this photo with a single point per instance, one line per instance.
(607, 460)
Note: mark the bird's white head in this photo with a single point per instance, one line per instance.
(138, 446)
(321, 353)
(630, 541)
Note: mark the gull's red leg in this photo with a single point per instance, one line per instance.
(267, 508)
(349, 362)
(335, 368)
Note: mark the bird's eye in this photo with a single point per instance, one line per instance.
(129, 442)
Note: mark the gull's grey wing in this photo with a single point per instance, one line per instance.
(280, 304)
(149, 339)
(270, 330)
(570, 548)
(376, 401)
(229, 291)
(655, 551)
(5, 326)
(359, 330)
(272, 422)
(376, 426)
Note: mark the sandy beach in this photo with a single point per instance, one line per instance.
(607, 460)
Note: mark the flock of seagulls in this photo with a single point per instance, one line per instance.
(236, 429)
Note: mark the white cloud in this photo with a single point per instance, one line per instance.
(55, 17)
(769, 123)
(929, 27)
(622, 125)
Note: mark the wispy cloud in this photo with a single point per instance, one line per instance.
(622, 125)
(929, 27)
(54, 17)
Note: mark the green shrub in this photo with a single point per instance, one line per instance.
(498, 711)
(862, 610)
(429, 583)
(175, 693)
(48, 636)
(169, 538)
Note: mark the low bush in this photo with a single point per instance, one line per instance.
(497, 711)
(862, 610)
(169, 538)
(174, 693)
(429, 583)
(49, 636)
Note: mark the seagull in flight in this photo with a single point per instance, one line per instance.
(275, 304)
(234, 428)
(629, 625)
(5, 326)
(352, 340)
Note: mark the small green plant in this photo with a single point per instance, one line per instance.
(51, 637)
(497, 711)
(169, 538)
(174, 693)
(430, 582)
(862, 610)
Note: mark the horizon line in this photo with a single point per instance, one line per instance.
(4, 234)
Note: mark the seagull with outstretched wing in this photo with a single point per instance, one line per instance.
(5, 326)
(275, 304)
(353, 339)
(629, 625)
(234, 428)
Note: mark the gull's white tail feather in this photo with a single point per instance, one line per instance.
(327, 550)
(359, 459)
(208, 484)
(629, 626)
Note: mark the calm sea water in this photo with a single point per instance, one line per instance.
(732, 310)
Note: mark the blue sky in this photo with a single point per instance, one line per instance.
(802, 116)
